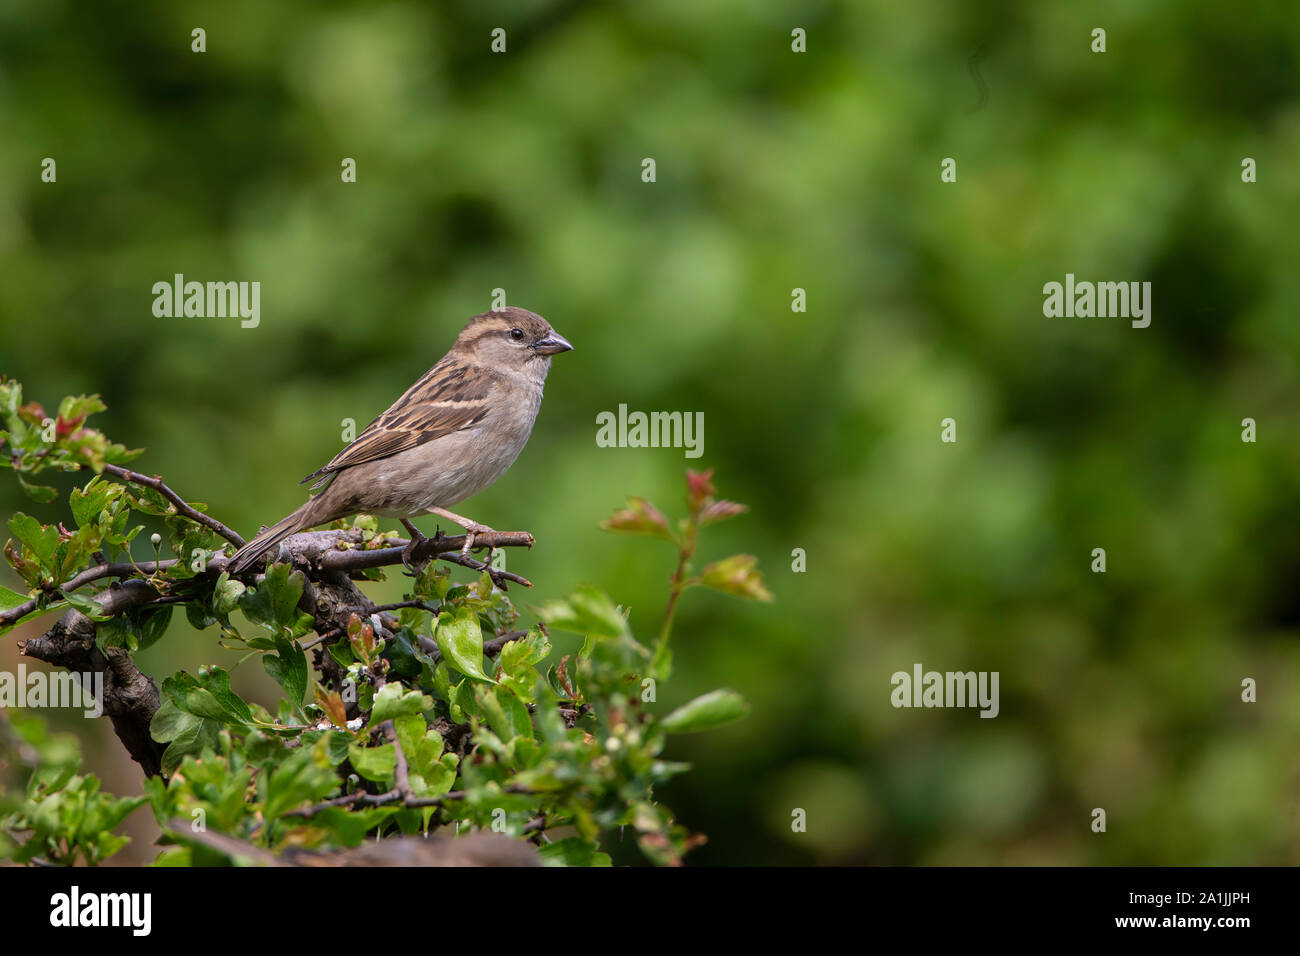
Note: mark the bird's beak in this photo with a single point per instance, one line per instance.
(553, 343)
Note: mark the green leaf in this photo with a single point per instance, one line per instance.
(11, 599)
(106, 812)
(261, 748)
(431, 772)
(586, 611)
(285, 587)
(404, 657)
(373, 763)
(573, 851)
(442, 681)
(118, 632)
(460, 639)
(87, 606)
(11, 396)
(209, 697)
(274, 604)
(170, 722)
(505, 713)
(41, 494)
(41, 540)
(410, 730)
(203, 703)
(305, 776)
(441, 773)
(710, 710)
(226, 594)
(464, 699)
(217, 683)
(193, 739)
(75, 408)
(393, 700)
(517, 662)
(154, 625)
(351, 826)
(736, 575)
(341, 651)
(288, 669)
(198, 617)
(547, 712)
(640, 517)
(88, 504)
(148, 500)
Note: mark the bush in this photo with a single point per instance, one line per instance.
(437, 711)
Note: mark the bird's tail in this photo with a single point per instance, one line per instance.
(308, 516)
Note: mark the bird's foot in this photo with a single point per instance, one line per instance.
(413, 567)
(472, 530)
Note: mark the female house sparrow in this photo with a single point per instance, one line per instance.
(453, 433)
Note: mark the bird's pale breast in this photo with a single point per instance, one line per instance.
(447, 470)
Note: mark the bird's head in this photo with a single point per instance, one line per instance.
(510, 339)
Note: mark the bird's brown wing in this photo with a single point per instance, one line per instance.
(447, 398)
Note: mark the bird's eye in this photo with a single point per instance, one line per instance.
(516, 334)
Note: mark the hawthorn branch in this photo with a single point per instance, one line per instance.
(402, 772)
(361, 798)
(97, 573)
(398, 605)
(318, 548)
(441, 547)
(130, 697)
(345, 550)
(180, 504)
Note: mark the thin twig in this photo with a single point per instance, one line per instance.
(402, 772)
(329, 559)
(428, 548)
(498, 576)
(398, 605)
(99, 572)
(677, 586)
(179, 503)
(391, 796)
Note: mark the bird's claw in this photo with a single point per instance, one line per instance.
(413, 567)
(471, 533)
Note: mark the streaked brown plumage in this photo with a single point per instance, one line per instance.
(449, 436)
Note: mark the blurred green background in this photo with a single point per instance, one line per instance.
(775, 170)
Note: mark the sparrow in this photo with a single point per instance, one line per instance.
(451, 434)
